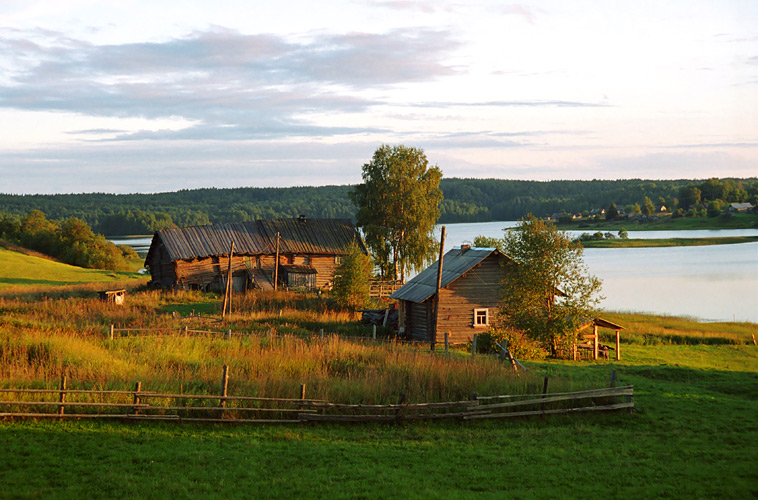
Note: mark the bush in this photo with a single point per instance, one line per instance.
(520, 346)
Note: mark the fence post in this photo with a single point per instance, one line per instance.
(373, 333)
(447, 336)
(302, 391)
(224, 387)
(62, 397)
(320, 333)
(473, 345)
(110, 333)
(229, 334)
(137, 389)
(398, 413)
(186, 330)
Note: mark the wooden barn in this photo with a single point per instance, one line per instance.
(469, 295)
(197, 257)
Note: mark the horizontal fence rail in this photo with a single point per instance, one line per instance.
(224, 408)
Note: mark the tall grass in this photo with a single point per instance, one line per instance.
(270, 354)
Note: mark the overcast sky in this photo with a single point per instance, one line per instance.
(159, 95)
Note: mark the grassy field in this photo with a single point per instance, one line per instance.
(667, 242)
(21, 270)
(696, 385)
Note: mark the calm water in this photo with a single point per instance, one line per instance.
(717, 283)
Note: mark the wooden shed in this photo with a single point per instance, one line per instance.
(197, 257)
(469, 295)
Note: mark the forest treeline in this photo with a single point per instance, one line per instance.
(465, 200)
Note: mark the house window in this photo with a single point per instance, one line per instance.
(481, 317)
(338, 259)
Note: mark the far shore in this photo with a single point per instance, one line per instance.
(667, 242)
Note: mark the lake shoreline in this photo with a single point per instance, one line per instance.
(667, 242)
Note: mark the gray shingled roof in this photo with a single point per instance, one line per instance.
(297, 236)
(455, 264)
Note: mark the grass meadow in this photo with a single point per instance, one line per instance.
(695, 434)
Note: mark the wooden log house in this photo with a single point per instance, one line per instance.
(308, 251)
(469, 296)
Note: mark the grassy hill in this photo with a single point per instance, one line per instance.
(25, 269)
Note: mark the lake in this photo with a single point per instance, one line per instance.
(711, 283)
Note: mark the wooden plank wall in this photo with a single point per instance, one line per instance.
(207, 271)
(478, 288)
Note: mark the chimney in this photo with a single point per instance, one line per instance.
(465, 248)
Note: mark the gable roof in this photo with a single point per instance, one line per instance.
(297, 236)
(455, 263)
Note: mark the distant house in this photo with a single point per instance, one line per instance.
(197, 257)
(661, 209)
(597, 211)
(469, 295)
(740, 207)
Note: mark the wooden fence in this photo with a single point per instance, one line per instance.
(139, 404)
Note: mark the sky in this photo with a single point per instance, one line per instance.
(157, 95)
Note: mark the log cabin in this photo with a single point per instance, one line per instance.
(308, 251)
(469, 296)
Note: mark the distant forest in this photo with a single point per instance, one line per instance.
(465, 200)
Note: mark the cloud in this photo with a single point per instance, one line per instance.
(226, 82)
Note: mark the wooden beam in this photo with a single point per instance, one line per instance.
(276, 264)
(595, 353)
(228, 290)
(618, 345)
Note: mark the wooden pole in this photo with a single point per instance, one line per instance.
(228, 291)
(229, 334)
(373, 333)
(110, 334)
(136, 401)
(224, 388)
(302, 391)
(62, 397)
(618, 345)
(439, 285)
(276, 264)
(447, 335)
(473, 345)
(595, 354)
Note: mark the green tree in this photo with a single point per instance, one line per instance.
(647, 207)
(714, 208)
(611, 212)
(548, 291)
(397, 208)
(351, 279)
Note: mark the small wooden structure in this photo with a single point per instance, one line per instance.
(469, 295)
(592, 341)
(298, 253)
(113, 296)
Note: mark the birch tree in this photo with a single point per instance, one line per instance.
(397, 208)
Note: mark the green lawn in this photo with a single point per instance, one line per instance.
(696, 436)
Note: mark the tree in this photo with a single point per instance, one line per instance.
(647, 207)
(351, 279)
(397, 208)
(612, 212)
(548, 291)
